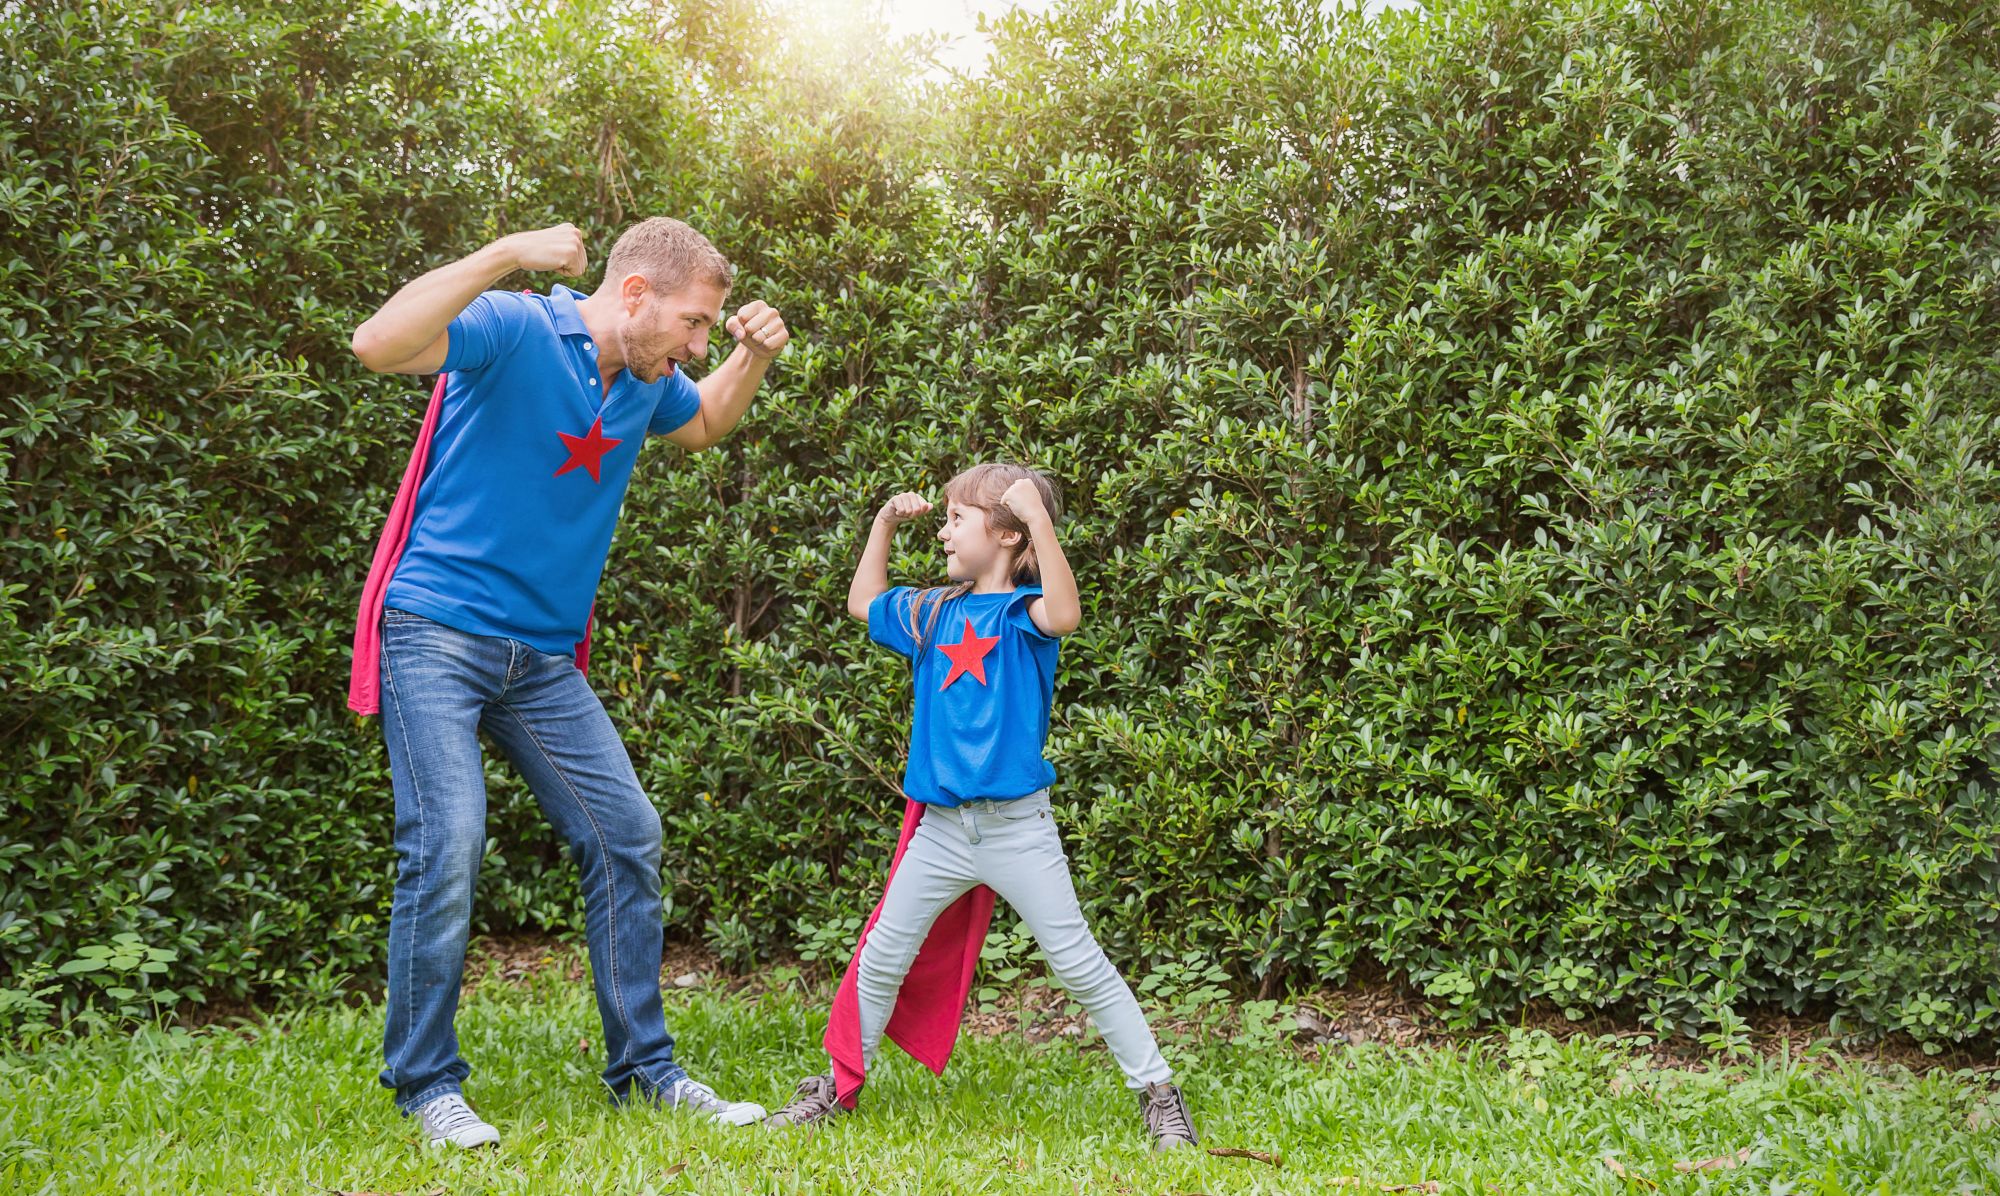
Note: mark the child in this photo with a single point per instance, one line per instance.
(983, 661)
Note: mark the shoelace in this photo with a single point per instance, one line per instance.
(449, 1114)
(1169, 1113)
(695, 1094)
(811, 1096)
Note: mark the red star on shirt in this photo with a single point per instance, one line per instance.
(587, 450)
(968, 655)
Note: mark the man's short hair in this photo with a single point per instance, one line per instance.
(669, 254)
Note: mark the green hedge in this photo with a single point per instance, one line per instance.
(1531, 470)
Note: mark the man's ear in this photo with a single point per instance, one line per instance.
(633, 291)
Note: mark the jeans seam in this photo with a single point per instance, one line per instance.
(610, 884)
(423, 856)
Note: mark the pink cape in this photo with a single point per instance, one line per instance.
(364, 679)
(932, 1000)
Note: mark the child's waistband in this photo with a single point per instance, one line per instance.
(996, 803)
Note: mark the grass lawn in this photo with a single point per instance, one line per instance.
(293, 1107)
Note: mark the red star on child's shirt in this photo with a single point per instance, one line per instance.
(968, 655)
(587, 450)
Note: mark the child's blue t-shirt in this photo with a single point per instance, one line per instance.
(985, 679)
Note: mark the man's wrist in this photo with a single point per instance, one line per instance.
(500, 258)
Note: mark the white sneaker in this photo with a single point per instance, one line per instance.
(448, 1119)
(699, 1097)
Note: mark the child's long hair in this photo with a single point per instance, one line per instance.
(982, 486)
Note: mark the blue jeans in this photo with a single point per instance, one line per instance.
(440, 688)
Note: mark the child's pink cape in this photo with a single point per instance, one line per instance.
(364, 679)
(932, 1000)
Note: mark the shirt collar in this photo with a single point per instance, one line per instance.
(562, 308)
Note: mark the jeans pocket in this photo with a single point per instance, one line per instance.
(407, 631)
(1035, 805)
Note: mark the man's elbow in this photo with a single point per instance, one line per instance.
(702, 437)
(370, 351)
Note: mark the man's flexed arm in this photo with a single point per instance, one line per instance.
(407, 336)
(761, 335)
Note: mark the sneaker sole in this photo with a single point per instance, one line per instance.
(740, 1114)
(787, 1123)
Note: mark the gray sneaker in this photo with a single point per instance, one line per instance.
(815, 1099)
(1166, 1114)
(700, 1098)
(448, 1120)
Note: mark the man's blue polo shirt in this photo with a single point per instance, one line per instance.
(527, 471)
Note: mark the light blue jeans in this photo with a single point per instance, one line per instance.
(440, 688)
(1011, 846)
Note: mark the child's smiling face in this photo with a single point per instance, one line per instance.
(970, 543)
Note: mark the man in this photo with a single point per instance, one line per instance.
(481, 595)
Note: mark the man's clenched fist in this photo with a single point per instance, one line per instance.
(559, 248)
(758, 327)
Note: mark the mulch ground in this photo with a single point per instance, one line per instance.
(1325, 1020)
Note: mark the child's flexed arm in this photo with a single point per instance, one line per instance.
(1058, 610)
(871, 576)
